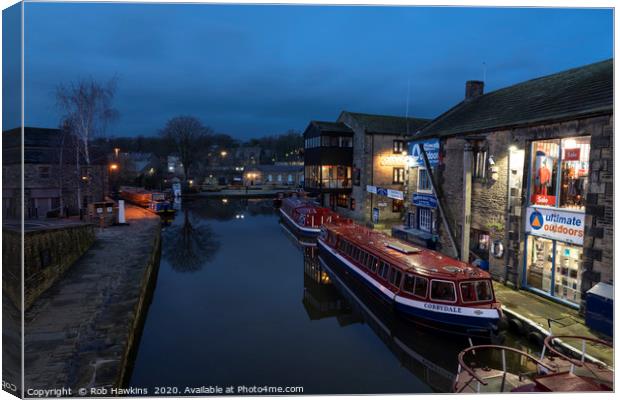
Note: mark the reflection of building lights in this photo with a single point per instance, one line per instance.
(152, 171)
(84, 178)
(116, 151)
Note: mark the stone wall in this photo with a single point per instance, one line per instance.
(489, 196)
(48, 254)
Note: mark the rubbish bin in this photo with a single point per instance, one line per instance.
(600, 308)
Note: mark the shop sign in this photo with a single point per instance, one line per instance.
(382, 191)
(395, 194)
(543, 200)
(371, 189)
(555, 224)
(572, 154)
(431, 147)
(424, 200)
(393, 160)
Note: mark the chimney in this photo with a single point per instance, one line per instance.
(473, 89)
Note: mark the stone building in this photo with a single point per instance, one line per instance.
(357, 164)
(51, 178)
(525, 177)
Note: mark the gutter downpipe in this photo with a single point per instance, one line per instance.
(467, 161)
(440, 204)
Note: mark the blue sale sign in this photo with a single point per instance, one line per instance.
(424, 200)
(431, 147)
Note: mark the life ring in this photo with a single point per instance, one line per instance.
(497, 249)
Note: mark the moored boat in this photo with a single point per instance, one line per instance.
(304, 216)
(154, 201)
(418, 283)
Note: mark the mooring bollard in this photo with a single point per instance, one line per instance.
(121, 211)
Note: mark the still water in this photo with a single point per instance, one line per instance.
(239, 302)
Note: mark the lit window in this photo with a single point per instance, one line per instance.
(399, 146)
(480, 161)
(424, 181)
(398, 175)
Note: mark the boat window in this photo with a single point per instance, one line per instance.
(356, 253)
(364, 258)
(384, 272)
(476, 291)
(443, 291)
(395, 277)
(408, 283)
(370, 263)
(421, 286)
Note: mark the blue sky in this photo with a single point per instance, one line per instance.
(255, 70)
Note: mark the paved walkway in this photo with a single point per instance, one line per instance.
(77, 333)
(538, 310)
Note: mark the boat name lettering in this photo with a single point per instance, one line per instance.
(440, 307)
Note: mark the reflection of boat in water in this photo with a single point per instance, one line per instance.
(424, 353)
(422, 284)
(151, 200)
(497, 369)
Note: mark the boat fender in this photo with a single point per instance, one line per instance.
(503, 323)
(536, 338)
(516, 326)
(497, 249)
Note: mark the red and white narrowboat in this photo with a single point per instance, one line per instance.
(423, 284)
(304, 216)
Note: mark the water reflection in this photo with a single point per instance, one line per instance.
(425, 354)
(189, 244)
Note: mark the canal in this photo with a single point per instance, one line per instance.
(239, 302)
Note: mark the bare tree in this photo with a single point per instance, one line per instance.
(87, 112)
(187, 135)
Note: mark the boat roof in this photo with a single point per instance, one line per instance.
(407, 257)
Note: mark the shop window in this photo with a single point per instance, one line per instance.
(539, 263)
(398, 175)
(399, 146)
(424, 180)
(575, 168)
(480, 242)
(425, 219)
(480, 155)
(397, 205)
(567, 277)
(443, 291)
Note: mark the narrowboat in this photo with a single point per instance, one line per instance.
(154, 201)
(421, 284)
(304, 216)
(498, 369)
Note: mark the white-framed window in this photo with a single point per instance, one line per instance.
(290, 178)
(443, 291)
(269, 178)
(424, 181)
(279, 178)
(398, 175)
(425, 219)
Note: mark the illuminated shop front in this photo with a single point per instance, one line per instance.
(555, 217)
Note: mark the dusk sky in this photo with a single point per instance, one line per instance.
(255, 70)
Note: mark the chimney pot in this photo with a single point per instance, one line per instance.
(473, 89)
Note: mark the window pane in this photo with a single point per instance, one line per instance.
(421, 285)
(468, 292)
(443, 291)
(408, 283)
(483, 290)
(539, 263)
(568, 272)
(544, 172)
(575, 168)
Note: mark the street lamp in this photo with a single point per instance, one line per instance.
(223, 153)
(114, 166)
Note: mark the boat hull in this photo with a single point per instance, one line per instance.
(453, 319)
(297, 228)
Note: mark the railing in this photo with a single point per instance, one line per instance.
(479, 380)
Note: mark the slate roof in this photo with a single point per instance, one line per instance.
(388, 123)
(326, 126)
(569, 94)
